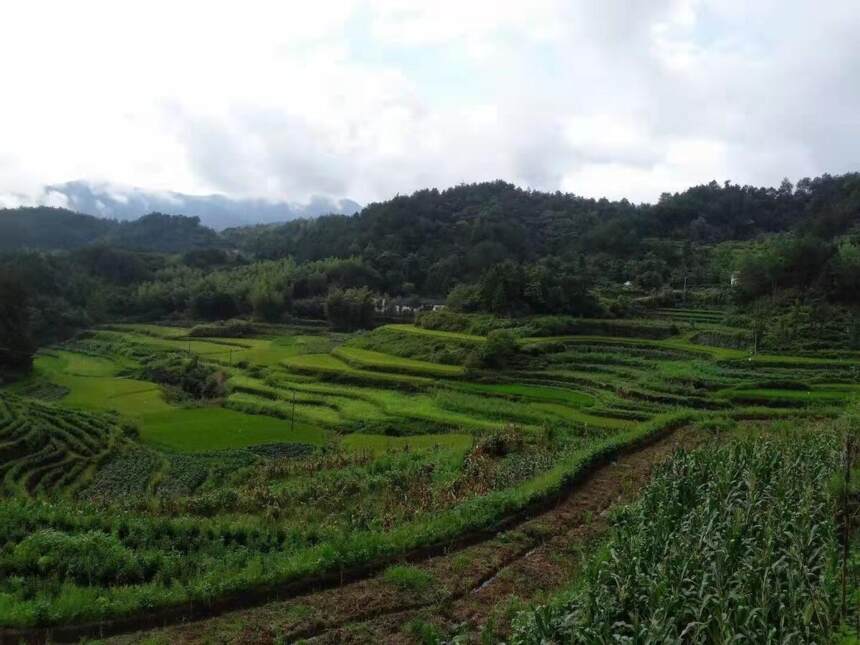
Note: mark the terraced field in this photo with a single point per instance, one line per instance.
(330, 455)
(705, 316)
(46, 449)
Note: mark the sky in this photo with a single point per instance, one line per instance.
(370, 98)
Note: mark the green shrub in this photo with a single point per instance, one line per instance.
(268, 303)
(130, 431)
(464, 298)
(425, 633)
(349, 309)
(499, 350)
(234, 328)
(444, 320)
(86, 558)
(408, 578)
(447, 351)
(188, 374)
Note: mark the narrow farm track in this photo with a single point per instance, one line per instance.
(467, 586)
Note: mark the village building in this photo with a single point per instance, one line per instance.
(406, 306)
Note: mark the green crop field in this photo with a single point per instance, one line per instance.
(211, 428)
(48, 450)
(382, 444)
(436, 334)
(363, 358)
(316, 453)
(533, 392)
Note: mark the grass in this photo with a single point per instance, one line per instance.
(588, 420)
(236, 566)
(382, 443)
(272, 351)
(76, 364)
(46, 449)
(331, 366)
(210, 428)
(433, 333)
(685, 346)
(160, 331)
(532, 392)
(817, 395)
(93, 384)
(407, 452)
(223, 349)
(351, 403)
(308, 412)
(425, 407)
(367, 359)
(408, 578)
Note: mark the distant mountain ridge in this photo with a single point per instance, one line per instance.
(215, 211)
(44, 228)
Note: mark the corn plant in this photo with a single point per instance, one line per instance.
(736, 543)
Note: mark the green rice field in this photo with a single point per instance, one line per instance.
(321, 452)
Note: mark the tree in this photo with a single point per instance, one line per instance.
(649, 280)
(758, 273)
(350, 309)
(210, 304)
(501, 287)
(498, 350)
(16, 343)
(464, 298)
(846, 272)
(803, 259)
(267, 303)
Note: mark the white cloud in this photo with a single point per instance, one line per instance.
(367, 98)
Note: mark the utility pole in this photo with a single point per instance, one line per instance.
(685, 289)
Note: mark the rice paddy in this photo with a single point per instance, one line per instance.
(213, 428)
(327, 451)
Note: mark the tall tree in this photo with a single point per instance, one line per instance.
(16, 344)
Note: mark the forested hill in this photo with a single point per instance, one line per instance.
(475, 224)
(487, 247)
(491, 221)
(45, 228)
(433, 239)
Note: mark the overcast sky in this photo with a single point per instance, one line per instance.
(366, 99)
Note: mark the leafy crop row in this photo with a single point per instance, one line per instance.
(736, 543)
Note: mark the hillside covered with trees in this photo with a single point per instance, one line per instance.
(44, 228)
(488, 247)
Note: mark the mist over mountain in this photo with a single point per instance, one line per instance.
(215, 211)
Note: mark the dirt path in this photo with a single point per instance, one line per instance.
(468, 591)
